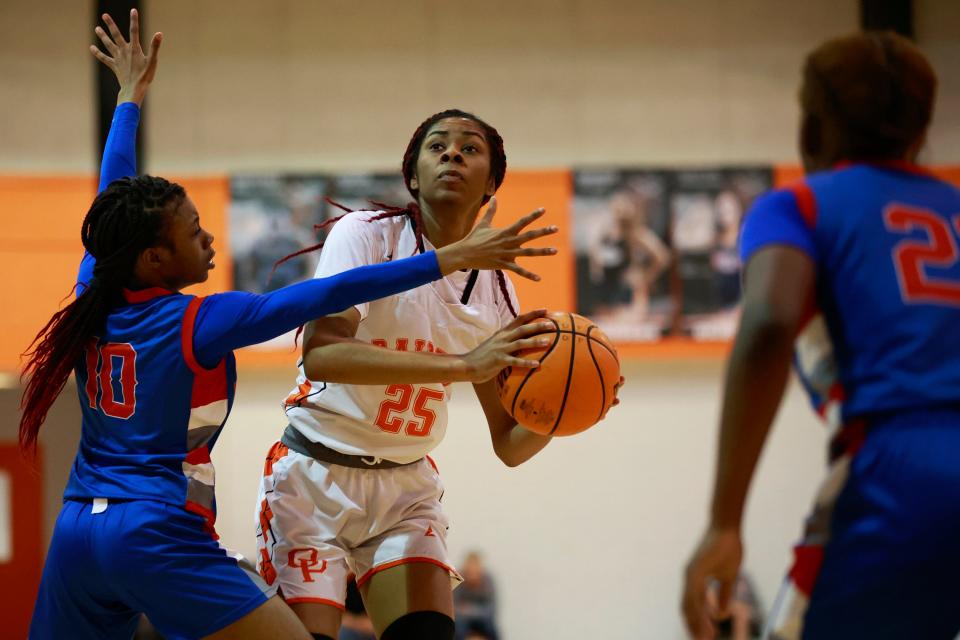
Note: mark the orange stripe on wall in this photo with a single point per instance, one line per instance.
(40, 251)
(521, 193)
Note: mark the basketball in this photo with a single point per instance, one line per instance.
(575, 384)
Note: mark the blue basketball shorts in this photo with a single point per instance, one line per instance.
(880, 557)
(139, 556)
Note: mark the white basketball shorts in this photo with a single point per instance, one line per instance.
(318, 522)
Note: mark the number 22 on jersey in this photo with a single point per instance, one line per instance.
(400, 397)
(109, 364)
(912, 256)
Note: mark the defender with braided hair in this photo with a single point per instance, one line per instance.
(350, 486)
(156, 377)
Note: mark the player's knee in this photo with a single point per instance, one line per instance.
(420, 625)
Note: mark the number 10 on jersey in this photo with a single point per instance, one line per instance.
(400, 398)
(104, 362)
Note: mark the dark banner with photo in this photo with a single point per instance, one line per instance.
(656, 250)
(272, 217)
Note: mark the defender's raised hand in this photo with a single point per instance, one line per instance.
(134, 68)
(488, 248)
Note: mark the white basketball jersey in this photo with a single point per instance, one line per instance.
(399, 422)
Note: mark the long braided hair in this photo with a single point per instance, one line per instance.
(876, 88)
(498, 170)
(129, 216)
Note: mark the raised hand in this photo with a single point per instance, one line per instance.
(496, 352)
(488, 248)
(134, 68)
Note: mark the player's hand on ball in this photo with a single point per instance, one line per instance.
(616, 391)
(497, 351)
(486, 247)
(717, 558)
(134, 68)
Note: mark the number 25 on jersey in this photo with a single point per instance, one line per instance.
(112, 378)
(401, 397)
(912, 256)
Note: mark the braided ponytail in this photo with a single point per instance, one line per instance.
(128, 217)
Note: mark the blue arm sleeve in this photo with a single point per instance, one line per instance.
(775, 219)
(119, 161)
(228, 321)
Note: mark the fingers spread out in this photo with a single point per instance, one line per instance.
(526, 318)
(529, 343)
(114, 30)
(100, 55)
(521, 363)
(520, 271)
(107, 42)
(135, 28)
(517, 226)
(491, 210)
(531, 329)
(536, 233)
(154, 47)
(543, 251)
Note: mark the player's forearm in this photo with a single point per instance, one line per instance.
(516, 445)
(135, 93)
(350, 361)
(120, 152)
(755, 382)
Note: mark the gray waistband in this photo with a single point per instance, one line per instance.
(303, 445)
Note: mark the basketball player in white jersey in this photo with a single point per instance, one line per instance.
(350, 487)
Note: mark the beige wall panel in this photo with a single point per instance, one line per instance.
(46, 86)
(937, 24)
(341, 85)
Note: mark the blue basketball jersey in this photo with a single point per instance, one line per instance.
(884, 238)
(157, 384)
(151, 412)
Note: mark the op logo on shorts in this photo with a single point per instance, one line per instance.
(305, 559)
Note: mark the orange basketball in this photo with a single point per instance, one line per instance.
(575, 384)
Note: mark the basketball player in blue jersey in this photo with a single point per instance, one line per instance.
(156, 376)
(858, 268)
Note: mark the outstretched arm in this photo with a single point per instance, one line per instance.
(236, 319)
(134, 70)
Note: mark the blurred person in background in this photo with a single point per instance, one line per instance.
(475, 600)
(627, 259)
(355, 623)
(744, 618)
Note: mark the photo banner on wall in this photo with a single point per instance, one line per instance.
(656, 250)
(274, 216)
